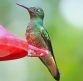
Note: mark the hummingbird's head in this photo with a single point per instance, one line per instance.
(34, 11)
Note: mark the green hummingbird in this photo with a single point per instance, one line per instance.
(38, 36)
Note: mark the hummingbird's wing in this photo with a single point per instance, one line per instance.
(49, 61)
(47, 40)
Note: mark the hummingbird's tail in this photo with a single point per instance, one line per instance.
(52, 67)
(50, 63)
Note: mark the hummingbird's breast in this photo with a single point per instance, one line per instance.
(34, 37)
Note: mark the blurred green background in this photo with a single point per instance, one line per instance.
(64, 22)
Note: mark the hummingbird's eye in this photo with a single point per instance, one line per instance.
(38, 10)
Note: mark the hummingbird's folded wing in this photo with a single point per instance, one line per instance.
(47, 40)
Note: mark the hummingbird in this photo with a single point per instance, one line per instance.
(38, 36)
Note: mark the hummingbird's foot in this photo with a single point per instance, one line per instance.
(41, 54)
(29, 55)
(48, 52)
(30, 52)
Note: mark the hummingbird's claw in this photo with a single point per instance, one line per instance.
(29, 55)
(41, 54)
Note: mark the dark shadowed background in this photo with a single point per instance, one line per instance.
(64, 22)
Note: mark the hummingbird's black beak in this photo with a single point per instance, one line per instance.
(23, 6)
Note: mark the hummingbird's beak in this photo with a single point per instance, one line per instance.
(23, 6)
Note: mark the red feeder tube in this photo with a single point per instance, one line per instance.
(11, 47)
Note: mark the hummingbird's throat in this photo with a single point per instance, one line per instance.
(36, 21)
